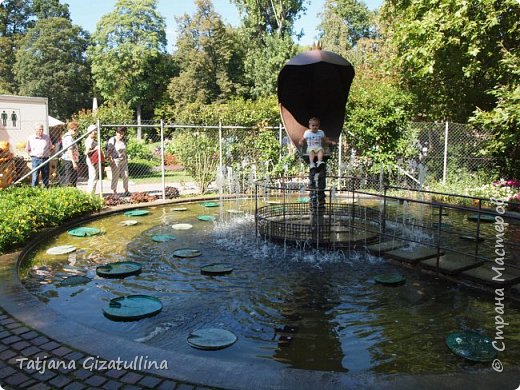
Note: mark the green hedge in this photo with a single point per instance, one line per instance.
(25, 211)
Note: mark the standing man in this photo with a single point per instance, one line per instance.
(39, 147)
(70, 155)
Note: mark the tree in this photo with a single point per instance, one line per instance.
(45, 9)
(51, 62)
(15, 19)
(264, 61)
(266, 17)
(504, 119)
(344, 23)
(449, 51)
(208, 58)
(128, 54)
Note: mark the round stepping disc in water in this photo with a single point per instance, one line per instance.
(61, 250)
(132, 308)
(179, 208)
(209, 218)
(163, 237)
(472, 238)
(471, 345)
(73, 281)
(211, 339)
(390, 279)
(120, 269)
(187, 252)
(483, 218)
(182, 226)
(304, 199)
(136, 213)
(216, 269)
(84, 231)
(210, 204)
(129, 222)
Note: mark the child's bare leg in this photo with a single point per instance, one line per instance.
(320, 156)
(311, 158)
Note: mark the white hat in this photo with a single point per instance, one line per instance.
(91, 128)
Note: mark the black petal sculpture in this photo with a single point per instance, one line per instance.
(314, 83)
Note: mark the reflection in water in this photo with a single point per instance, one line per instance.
(308, 338)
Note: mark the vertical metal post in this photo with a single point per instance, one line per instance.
(444, 168)
(477, 236)
(439, 231)
(163, 178)
(340, 154)
(100, 164)
(220, 146)
(383, 222)
(256, 210)
(280, 140)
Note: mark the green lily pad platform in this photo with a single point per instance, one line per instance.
(210, 204)
(472, 346)
(136, 213)
(216, 269)
(61, 250)
(187, 252)
(393, 279)
(84, 231)
(209, 218)
(163, 237)
(304, 199)
(132, 308)
(413, 255)
(486, 218)
(74, 280)
(211, 339)
(121, 269)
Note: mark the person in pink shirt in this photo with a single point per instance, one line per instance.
(39, 148)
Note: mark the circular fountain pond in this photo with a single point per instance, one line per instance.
(288, 306)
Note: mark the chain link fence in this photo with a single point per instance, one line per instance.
(223, 158)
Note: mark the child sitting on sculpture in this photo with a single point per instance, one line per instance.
(315, 139)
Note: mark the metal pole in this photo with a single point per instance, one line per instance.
(439, 231)
(280, 140)
(100, 164)
(444, 168)
(163, 179)
(340, 154)
(220, 145)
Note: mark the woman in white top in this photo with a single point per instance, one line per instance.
(91, 146)
(116, 153)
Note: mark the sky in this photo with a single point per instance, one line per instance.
(86, 13)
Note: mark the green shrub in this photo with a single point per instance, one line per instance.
(141, 167)
(138, 149)
(25, 211)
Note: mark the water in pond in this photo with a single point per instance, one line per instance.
(307, 309)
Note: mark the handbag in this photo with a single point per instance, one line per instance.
(94, 157)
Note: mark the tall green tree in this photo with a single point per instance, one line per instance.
(208, 57)
(267, 29)
(449, 51)
(261, 17)
(15, 19)
(44, 9)
(51, 62)
(128, 54)
(344, 23)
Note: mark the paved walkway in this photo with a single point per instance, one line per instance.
(19, 342)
